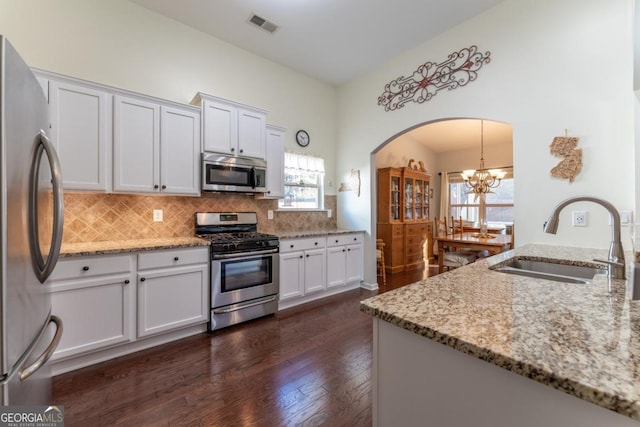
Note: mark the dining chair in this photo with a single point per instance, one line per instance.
(380, 268)
(452, 258)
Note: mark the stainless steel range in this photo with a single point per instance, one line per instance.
(244, 267)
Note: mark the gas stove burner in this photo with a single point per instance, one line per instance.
(231, 232)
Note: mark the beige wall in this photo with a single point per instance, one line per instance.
(546, 75)
(551, 70)
(121, 44)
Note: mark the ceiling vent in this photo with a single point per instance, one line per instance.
(262, 23)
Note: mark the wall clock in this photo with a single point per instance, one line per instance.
(302, 138)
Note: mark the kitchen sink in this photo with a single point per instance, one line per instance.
(549, 270)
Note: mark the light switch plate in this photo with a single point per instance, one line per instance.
(329, 213)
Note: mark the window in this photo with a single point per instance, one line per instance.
(303, 182)
(499, 203)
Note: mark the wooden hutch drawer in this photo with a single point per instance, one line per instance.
(417, 229)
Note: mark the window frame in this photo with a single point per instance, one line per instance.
(456, 179)
(319, 185)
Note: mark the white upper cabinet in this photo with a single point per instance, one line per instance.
(232, 128)
(251, 133)
(136, 145)
(179, 151)
(275, 162)
(114, 140)
(156, 148)
(81, 131)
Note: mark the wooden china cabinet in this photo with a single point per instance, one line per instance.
(403, 218)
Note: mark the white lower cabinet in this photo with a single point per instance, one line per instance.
(315, 267)
(175, 296)
(344, 259)
(112, 305)
(94, 297)
(302, 267)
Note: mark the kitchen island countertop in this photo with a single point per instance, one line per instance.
(124, 246)
(581, 339)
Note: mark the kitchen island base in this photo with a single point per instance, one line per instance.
(417, 381)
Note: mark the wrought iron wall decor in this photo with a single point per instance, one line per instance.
(459, 69)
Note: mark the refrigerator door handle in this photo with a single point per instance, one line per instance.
(44, 268)
(6, 377)
(48, 352)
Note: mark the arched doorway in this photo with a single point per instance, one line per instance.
(443, 145)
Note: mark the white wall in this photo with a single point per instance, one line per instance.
(556, 65)
(118, 43)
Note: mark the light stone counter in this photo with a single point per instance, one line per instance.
(313, 233)
(581, 339)
(123, 246)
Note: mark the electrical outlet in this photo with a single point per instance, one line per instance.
(579, 218)
(157, 215)
(329, 213)
(269, 214)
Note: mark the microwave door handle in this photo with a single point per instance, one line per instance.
(254, 177)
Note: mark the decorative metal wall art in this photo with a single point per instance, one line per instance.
(459, 69)
(571, 164)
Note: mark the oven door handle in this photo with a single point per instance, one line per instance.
(245, 254)
(241, 306)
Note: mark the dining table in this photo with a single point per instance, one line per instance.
(493, 243)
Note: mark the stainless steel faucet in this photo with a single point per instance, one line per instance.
(616, 265)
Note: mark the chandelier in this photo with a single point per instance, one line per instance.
(483, 180)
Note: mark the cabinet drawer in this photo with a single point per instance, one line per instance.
(412, 258)
(417, 229)
(81, 267)
(416, 240)
(397, 231)
(172, 258)
(344, 239)
(293, 245)
(417, 250)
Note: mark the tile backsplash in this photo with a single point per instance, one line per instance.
(91, 217)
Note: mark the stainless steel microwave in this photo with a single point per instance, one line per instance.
(236, 174)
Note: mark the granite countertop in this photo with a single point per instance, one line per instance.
(123, 246)
(313, 233)
(580, 339)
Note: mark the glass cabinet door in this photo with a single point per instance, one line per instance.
(395, 198)
(408, 198)
(425, 200)
(417, 205)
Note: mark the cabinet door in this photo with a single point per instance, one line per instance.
(180, 151)
(136, 150)
(251, 133)
(354, 263)
(220, 127)
(275, 162)
(291, 275)
(172, 298)
(80, 130)
(315, 270)
(336, 266)
(97, 313)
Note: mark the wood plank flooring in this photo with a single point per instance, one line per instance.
(309, 365)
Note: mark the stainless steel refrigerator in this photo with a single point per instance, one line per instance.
(31, 218)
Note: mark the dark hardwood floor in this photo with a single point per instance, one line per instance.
(309, 365)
